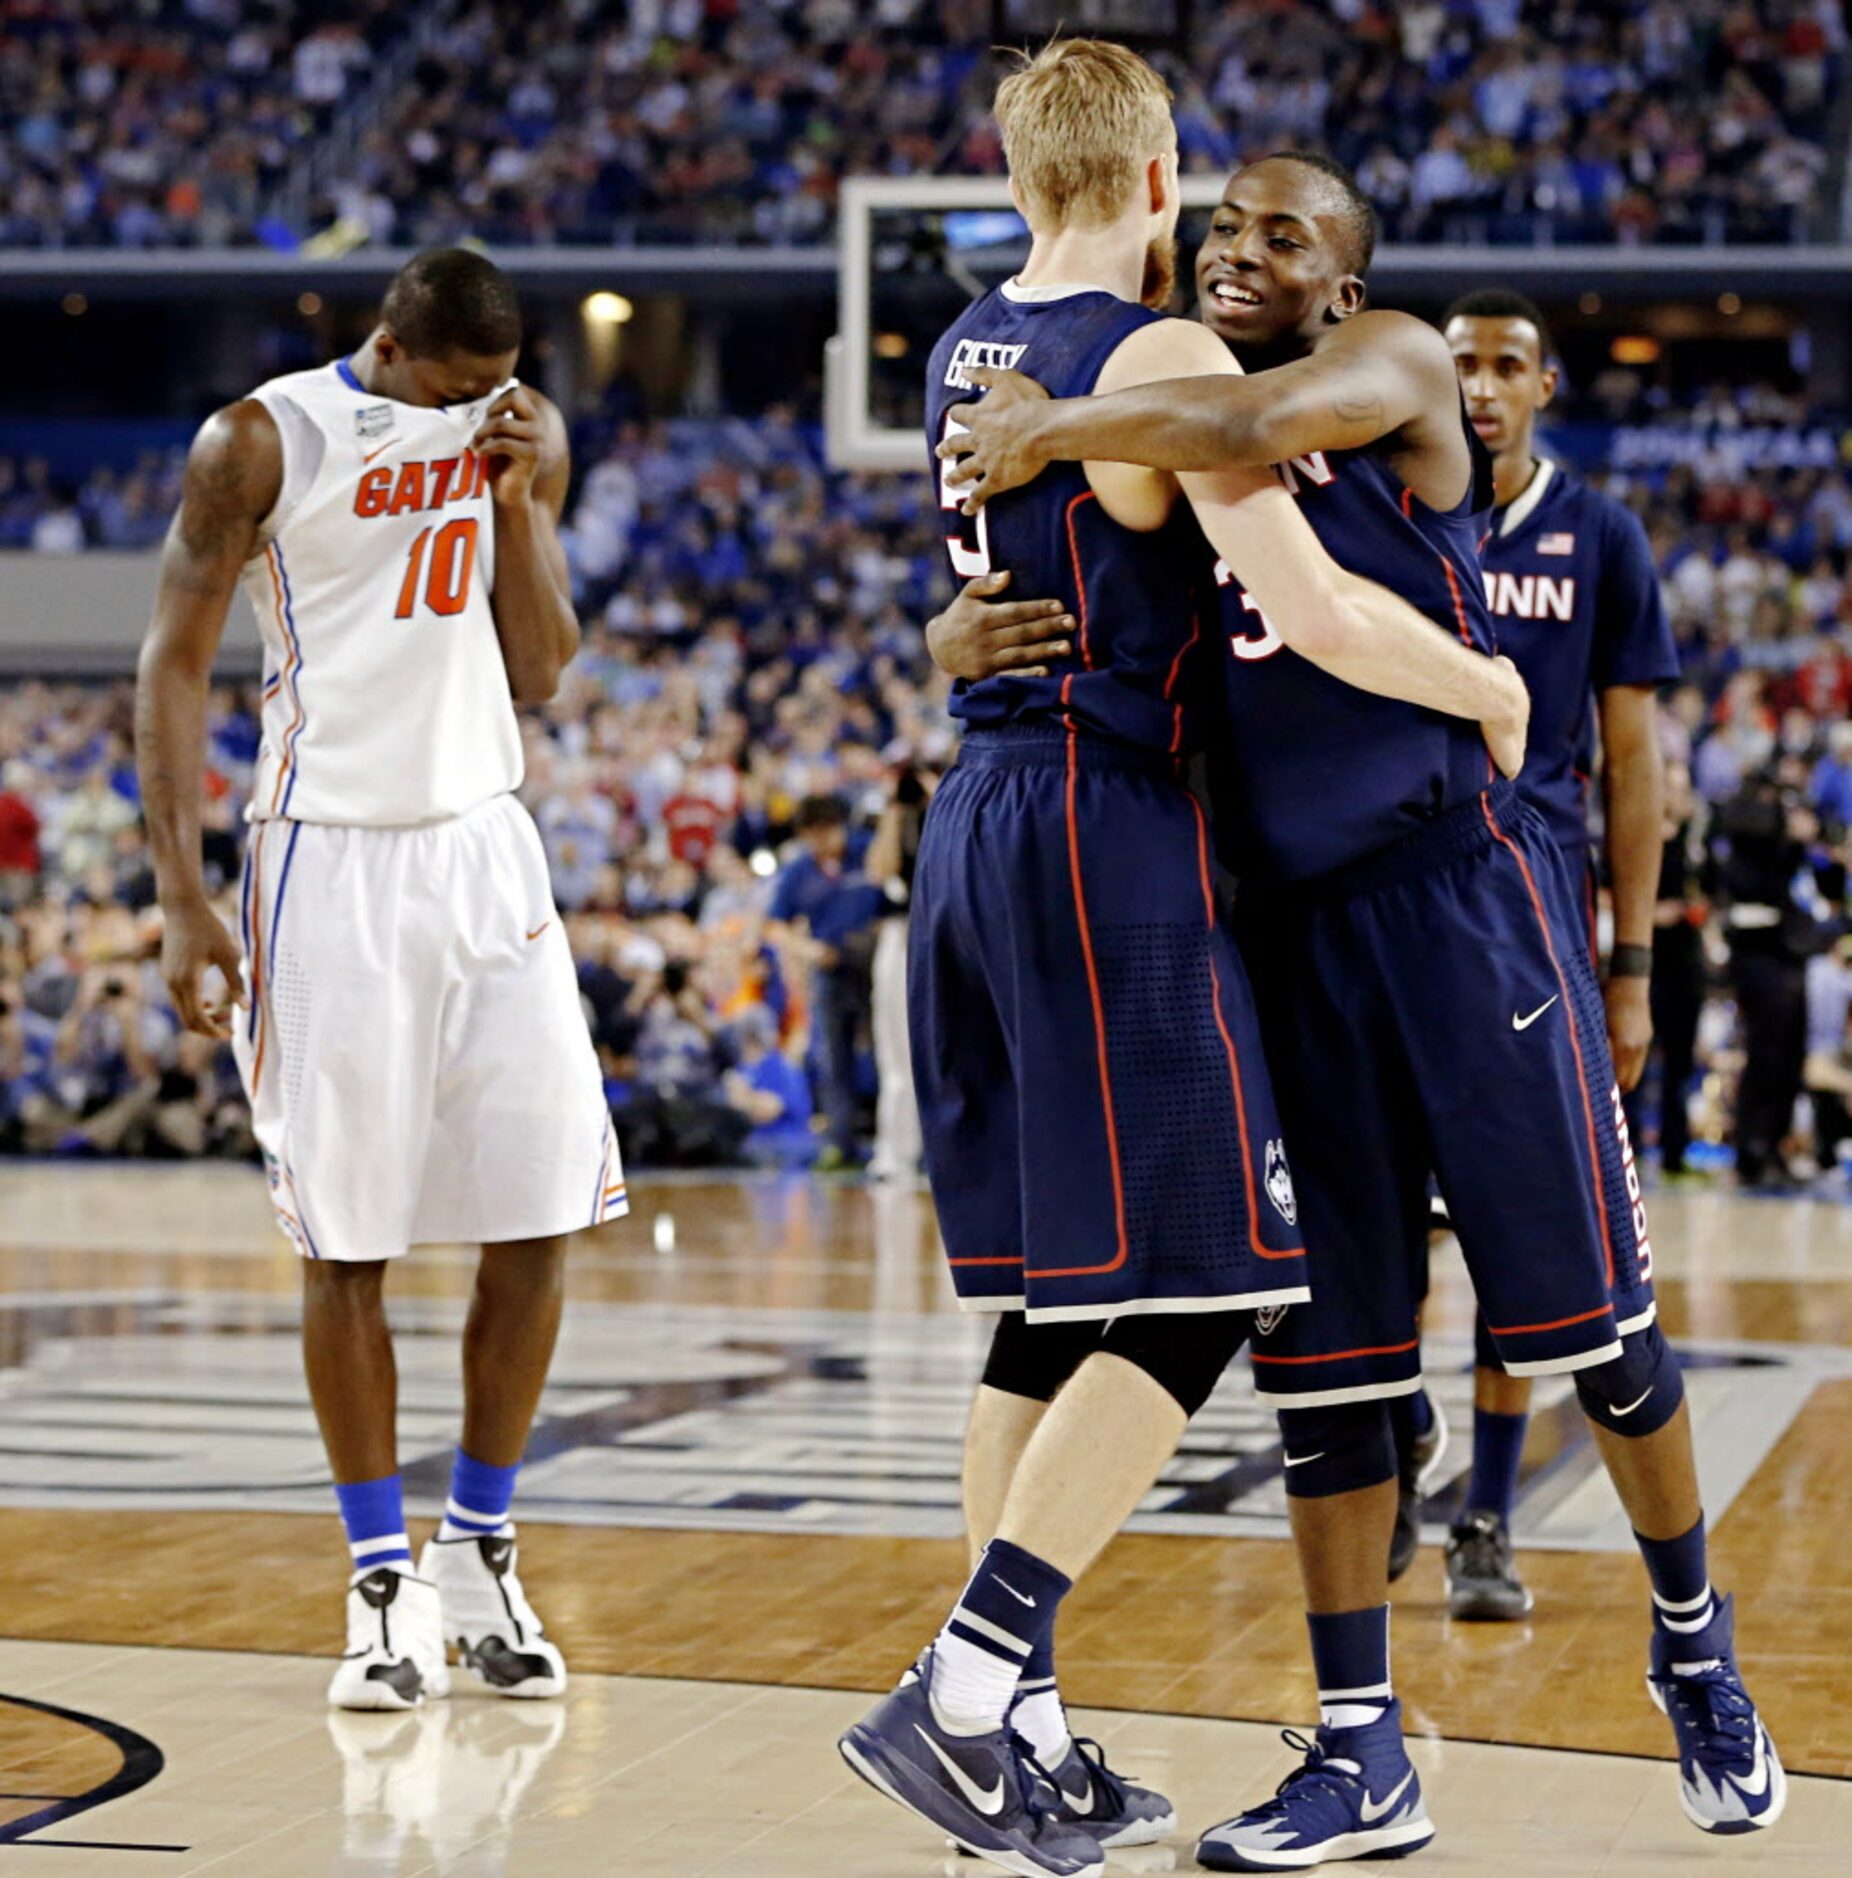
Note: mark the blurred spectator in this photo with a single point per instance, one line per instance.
(1764, 833)
(1828, 1070)
(770, 1091)
(823, 899)
(1831, 786)
(891, 857)
(20, 855)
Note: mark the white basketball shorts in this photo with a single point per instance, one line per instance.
(415, 1052)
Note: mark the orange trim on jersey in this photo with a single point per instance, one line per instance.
(1228, 1044)
(1080, 585)
(257, 954)
(1017, 1260)
(1466, 639)
(1561, 1323)
(291, 665)
(1575, 1041)
(1408, 503)
(1176, 666)
(1338, 1356)
(1459, 604)
(1099, 1011)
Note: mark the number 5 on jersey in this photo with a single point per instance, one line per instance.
(972, 558)
(452, 561)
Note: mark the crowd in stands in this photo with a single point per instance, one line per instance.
(157, 123)
(752, 704)
(108, 509)
(144, 122)
(1467, 120)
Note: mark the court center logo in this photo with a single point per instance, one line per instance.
(1280, 1183)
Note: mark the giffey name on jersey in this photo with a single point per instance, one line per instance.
(986, 355)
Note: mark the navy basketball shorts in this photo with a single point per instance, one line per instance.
(1100, 1132)
(1434, 1007)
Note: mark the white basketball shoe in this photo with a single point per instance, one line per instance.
(487, 1616)
(395, 1642)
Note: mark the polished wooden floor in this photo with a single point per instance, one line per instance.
(127, 1595)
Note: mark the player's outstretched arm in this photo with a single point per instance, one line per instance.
(1633, 783)
(1376, 374)
(1352, 628)
(530, 465)
(234, 475)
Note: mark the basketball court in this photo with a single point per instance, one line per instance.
(758, 1403)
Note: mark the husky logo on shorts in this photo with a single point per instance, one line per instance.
(373, 420)
(1269, 1318)
(1280, 1183)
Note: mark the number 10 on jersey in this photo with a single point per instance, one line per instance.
(446, 569)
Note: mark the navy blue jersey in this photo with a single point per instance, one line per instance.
(1315, 773)
(1574, 597)
(1138, 600)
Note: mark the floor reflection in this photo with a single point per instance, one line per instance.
(445, 1782)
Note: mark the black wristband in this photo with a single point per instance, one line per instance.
(1630, 962)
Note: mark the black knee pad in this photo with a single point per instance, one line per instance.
(1337, 1449)
(1183, 1352)
(1637, 1392)
(1034, 1360)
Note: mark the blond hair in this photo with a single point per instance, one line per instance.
(1080, 121)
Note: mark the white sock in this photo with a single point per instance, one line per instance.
(1041, 1719)
(1350, 1714)
(972, 1687)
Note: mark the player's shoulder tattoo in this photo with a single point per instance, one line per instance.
(226, 485)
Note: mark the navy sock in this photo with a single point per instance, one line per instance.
(1680, 1571)
(1350, 1653)
(374, 1516)
(1498, 1451)
(1005, 1612)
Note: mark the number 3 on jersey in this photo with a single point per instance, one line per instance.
(1268, 642)
(969, 558)
(452, 562)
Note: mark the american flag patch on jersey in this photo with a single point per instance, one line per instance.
(1556, 544)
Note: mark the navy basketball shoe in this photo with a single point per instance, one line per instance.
(1729, 1776)
(1111, 1809)
(984, 1791)
(1355, 1796)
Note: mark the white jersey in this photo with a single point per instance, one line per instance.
(386, 702)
